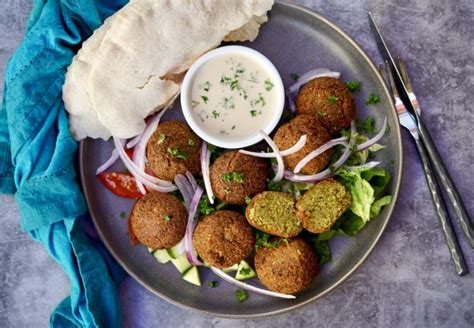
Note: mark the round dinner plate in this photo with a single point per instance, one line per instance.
(295, 39)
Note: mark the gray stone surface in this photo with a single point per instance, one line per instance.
(408, 280)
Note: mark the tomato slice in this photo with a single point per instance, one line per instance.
(121, 184)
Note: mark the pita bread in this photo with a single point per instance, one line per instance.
(118, 78)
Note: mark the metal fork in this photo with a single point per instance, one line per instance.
(407, 120)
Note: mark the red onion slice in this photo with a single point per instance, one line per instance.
(134, 141)
(144, 178)
(108, 163)
(205, 162)
(185, 189)
(188, 237)
(221, 274)
(192, 180)
(293, 149)
(367, 166)
(279, 158)
(315, 153)
(369, 143)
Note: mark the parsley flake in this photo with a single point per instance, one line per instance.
(122, 215)
(178, 153)
(191, 142)
(212, 284)
(167, 218)
(294, 76)
(353, 86)
(233, 177)
(215, 114)
(206, 86)
(248, 199)
(194, 103)
(332, 100)
(205, 99)
(253, 112)
(161, 138)
(268, 85)
(372, 99)
(241, 295)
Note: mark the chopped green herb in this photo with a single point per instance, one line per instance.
(233, 176)
(178, 153)
(245, 271)
(205, 99)
(275, 186)
(353, 86)
(167, 218)
(212, 284)
(228, 103)
(332, 100)
(287, 116)
(262, 100)
(225, 80)
(204, 206)
(253, 112)
(215, 114)
(367, 125)
(294, 76)
(215, 151)
(206, 86)
(122, 215)
(241, 295)
(161, 138)
(248, 199)
(268, 85)
(372, 99)
(234, 85)
(262, 239)
(194, 103)
(191, 142)
(322, 114)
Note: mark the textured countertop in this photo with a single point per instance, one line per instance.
(407, 281)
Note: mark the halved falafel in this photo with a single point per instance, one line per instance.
(235, 176)
(173, 149)
(223, 238)
(288, 268)
(328, 99)
(289, 134)
(158, 220)
(274, 212)
(322, 205)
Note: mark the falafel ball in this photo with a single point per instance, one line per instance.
(328, 99)
(288, 268)
(322, 205)
(173, 149)
(289, 134)
(235, 176)
(223, 238)
(274, 212)
(158, 220)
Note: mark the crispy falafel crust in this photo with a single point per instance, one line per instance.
(288, 268)
(223, 238)
(173, 135)
(336, 113)
(322, 205)
(158, 220)
(254, 172)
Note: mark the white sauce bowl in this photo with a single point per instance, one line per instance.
(265, 64)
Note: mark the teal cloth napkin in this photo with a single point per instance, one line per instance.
(37, 158)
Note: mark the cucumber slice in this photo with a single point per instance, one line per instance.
(150, 250)
(235, 267)
(181, 263)
(174, 252)
(162, 255)
(192, 276)
(244, 271)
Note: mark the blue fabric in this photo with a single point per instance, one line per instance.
(37, 158)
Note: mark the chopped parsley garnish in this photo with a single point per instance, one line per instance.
(205, 99)
(248, 199)
(194, 103)
(268, 85)
(228, 103)
(122, 215)
(245, 271)
(191, 142)
(241, 295)
(372, 99)
(212, 284)
(332, 100)
(215, 114)
(233, 177)
(263, 240)
(204, 206)
(253, 112)
(353, 86)
(206, 86)
(322, 114)
(294, 76)
(215, 151)
(275, 186)
(178, 153)
(234, 85)
(225, 80)
(167, 218)
(161, 138)
(367, 125)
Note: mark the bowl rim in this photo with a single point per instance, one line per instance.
(270, 69)
(390, 207)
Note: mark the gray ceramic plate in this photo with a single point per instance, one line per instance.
(294, 39)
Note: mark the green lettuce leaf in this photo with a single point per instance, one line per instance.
(378, 204)
(378, 179)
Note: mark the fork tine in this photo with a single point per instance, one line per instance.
(404, 73)
(392, 83)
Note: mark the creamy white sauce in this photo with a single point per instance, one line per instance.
(233, 97)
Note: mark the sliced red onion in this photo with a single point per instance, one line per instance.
(205, 162)
(221, 274)
(134, 141)
(279, 158)
(192, 180)
(293, 149)
(367, 166)
(108, 163)
(188, 237)
(144, 178)
(305, 78)
(369, 143)
(319, 151)
(185, 189)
